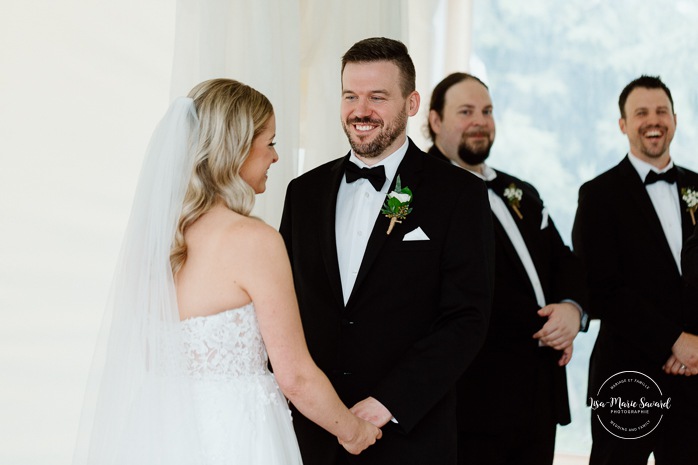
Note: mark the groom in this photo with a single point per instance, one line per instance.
(392, 316)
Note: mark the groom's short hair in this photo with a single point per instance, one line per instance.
(383, 49)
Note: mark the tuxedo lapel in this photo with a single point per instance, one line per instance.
(527, 225)
(328, 238)
(529, 206)
(508, 247)
(631, 183)
(409, 176)
(687, 224)
(497, 185)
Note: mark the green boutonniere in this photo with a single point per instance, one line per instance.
(513, 195)
(397, 204)
(690, 196)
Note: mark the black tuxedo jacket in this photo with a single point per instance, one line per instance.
(689, 257)
(416, 317)
(634, 284)
(511, 369)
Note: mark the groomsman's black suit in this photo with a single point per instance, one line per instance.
(417, 314)
(635, 287)
(689, 258)
(514, 384)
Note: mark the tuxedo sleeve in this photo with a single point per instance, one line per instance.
(566, 272)
(430, 369)
(599, 242)
(285, 227)
(689, 259)
(564, 268)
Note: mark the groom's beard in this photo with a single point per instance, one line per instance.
(388, 133)
(474, 154)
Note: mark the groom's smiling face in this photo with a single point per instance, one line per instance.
(373, 110)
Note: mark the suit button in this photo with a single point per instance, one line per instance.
(346, 322)
(337, 371)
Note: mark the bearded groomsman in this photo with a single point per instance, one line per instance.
(538, 293)
(392, 258)
(630, 225)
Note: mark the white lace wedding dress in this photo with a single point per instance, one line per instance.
(242, 416)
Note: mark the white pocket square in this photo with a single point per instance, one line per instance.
(544, 222)
(416, 235)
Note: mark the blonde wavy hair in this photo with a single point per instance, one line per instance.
(231, 115)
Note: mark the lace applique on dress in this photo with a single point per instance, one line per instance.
(242, 416)
(225, 345)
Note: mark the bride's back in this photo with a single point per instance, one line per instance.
(218, 253)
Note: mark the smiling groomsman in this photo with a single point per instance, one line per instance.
(514, 395)
(392, 258)
(630, 225)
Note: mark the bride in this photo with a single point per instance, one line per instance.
(202, 293)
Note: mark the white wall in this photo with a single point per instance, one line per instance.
(82, 85)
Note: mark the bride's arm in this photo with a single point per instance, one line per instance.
(269, 283)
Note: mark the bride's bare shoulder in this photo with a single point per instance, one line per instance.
(228, 230)
(251, 230)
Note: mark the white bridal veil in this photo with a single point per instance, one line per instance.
(138, 408)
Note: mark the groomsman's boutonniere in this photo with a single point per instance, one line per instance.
(513, 195)
(691, 198)
(397, 204)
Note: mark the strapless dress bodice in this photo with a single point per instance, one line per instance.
(225, 345)
(241, 414)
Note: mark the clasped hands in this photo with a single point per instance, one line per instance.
(558, 332)
(560, 329)
(684, 356)
(372, 415)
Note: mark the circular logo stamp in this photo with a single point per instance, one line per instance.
(630, 405)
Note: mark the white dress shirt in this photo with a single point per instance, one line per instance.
(358, 206)
(665, 199)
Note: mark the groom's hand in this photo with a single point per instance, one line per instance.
(372, 411)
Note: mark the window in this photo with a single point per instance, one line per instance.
(555, 71)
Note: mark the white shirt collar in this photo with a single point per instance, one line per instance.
(488, 173)
(642, 167)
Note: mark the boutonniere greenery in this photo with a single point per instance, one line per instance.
(397, 204)
(690, 196)
(513, 195)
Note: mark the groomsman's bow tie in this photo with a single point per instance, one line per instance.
(669, 176)
(376, 176)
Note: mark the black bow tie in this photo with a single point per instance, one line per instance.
(376, 176)
(669, 176)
